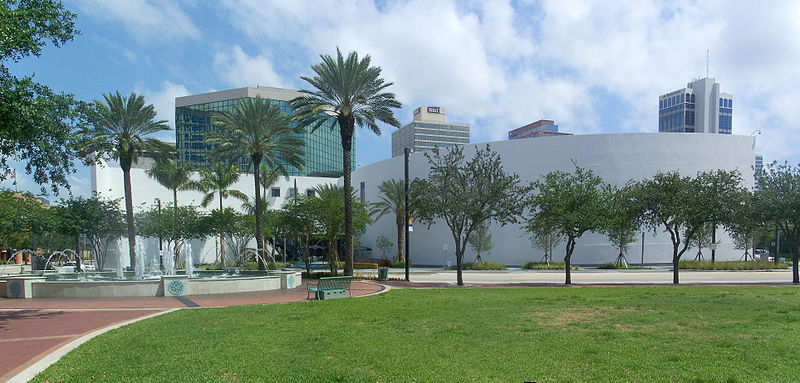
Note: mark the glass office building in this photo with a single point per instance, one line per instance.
(323, 150)
(429, 129)
(694, 109)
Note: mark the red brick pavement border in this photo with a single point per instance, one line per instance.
(32, 329)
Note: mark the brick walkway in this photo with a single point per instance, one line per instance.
(32, 329)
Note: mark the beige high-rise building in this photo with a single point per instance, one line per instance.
(429, 129)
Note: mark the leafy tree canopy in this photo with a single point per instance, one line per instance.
(37, 124)
(570, 203)
(465, 194)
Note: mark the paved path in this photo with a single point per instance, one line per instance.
(36, 332)
(657, 275)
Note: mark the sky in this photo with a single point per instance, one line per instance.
(592, 66)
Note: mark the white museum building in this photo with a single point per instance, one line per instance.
(617, 158)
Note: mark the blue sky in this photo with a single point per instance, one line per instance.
(592, 66)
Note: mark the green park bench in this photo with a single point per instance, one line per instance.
(330, 287)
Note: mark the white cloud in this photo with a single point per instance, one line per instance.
(146, 21)
(591, 66)
(163, 100)
(238, 69)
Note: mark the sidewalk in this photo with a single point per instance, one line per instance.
(33, 329)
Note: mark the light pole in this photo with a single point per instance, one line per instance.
(160, 249)
(406, 152)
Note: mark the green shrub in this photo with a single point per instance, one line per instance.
(613, 265)
(271, 265)
(547, 266)
(317, 274)
(478, 266)
(731, 265)
(400, 264)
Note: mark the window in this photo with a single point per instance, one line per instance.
(692, 98)
(310, 192)
(275, 192)
(291, 192)
(720, 103)
(363, 191)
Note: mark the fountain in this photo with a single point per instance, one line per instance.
(122, 246)
(143, 283)
(139, 260)
(187, 248)
(169, 260)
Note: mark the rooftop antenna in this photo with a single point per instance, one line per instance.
(707, 54)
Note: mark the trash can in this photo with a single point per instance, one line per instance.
(383, 273)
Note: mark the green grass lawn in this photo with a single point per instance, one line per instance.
(578, 334)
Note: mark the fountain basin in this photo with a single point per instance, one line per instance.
(174, 285)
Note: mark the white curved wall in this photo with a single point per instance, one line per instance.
(616, 158)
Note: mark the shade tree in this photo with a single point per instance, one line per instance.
(779, 200)
(466, 194)
(572, 203)
(621, 219)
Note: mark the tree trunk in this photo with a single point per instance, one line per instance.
(713, 241)
(126, 172)
(221, 236)
(346, 126)
(78, 265)
(459, 264)
(478, 258)
(400, 238)
(795, 274)
(259, 237)
(568, 261)
(675, 260)
(308, 261)
(333, 257)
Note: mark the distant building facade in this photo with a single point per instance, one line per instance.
(758, 167)
(429, 129)
(541, 128)
(698, 108)
(323, 149)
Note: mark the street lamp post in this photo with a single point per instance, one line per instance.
(406, 152)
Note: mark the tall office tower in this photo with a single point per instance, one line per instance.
(323, 149)
(541, 128)
(698, 108)
(758, 167)
(429, 129)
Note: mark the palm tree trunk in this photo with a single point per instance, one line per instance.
(221, 236)
(346, 126)
(125, 164)
(175, 222)
(259, 242)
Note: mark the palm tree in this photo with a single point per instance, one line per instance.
(256, 130)
(392, 200)
(172, 175)
(269, 176)
(119, 130)
(352, 91)
(217, 182)
(329, 200)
